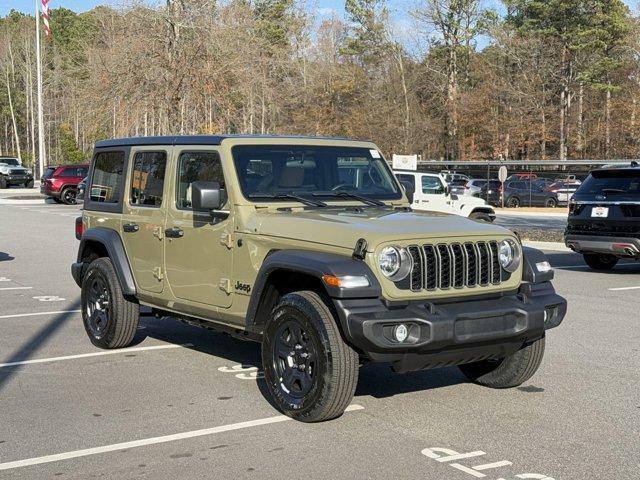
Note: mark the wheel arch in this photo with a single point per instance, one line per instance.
(286, 271)
(483, 209)
(103, 242)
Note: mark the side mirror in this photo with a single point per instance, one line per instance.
(408, 190)
(207, 196)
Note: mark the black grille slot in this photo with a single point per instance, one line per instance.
(472, 264)
(416, 275)
(431, 267)
(485, 263)
(495, 264)
(458, 265)
(444, 257)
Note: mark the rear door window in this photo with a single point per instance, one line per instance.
(147, 180)
(106, 182)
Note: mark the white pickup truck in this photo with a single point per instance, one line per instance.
(430, 191)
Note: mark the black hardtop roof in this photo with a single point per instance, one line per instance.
(197, 140)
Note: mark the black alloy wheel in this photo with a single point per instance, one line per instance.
(513, 202)
(98, 306)
(294, 359)
(69, 196)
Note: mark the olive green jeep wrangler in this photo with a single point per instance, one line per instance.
(307, 245)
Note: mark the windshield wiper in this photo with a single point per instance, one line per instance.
(355, 196)
(289, 196)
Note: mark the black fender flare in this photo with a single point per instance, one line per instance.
(112, 242)
(315, 264)
(531, 257)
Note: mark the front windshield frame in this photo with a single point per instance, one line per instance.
(306, 153)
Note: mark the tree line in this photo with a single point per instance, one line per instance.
(536, 79)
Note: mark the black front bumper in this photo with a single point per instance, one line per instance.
(452, 333)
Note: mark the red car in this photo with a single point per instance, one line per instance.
(61, 182)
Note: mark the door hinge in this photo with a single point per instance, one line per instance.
(225, 285)
(157, 232)
(226, 239)
(157, 272)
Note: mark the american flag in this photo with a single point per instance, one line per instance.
(45, 18)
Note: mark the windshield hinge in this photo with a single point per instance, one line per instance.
(360, 249)
(226, 239)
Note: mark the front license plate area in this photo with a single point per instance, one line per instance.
(600, 212)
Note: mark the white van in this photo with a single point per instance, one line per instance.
(430, 192)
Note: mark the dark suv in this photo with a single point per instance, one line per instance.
(525, 193)
(60, 183)
(604, 217)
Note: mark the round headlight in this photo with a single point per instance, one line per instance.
(509, 255)
(394, 263)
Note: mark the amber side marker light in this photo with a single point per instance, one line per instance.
(346, 281)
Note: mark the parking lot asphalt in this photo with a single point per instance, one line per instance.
(188, 403)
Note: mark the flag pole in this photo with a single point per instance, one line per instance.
(41, 146)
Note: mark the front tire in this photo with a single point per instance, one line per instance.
(509, 371)
(513, 202)
(310, 371)
(551, 203)
(600, 261)
(110, 319)
(29, 184)
(3, 183)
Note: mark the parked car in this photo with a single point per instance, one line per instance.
(430, 192)
(13, 173)
(454, 177)
(81, 189)
(519, 193)
(473, 186)
(456, 186)
(564, 189)
(260, 238)
(491, 192)
(604, 217)
(523, 176)
(61, 182)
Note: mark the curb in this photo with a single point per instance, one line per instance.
(552, 246)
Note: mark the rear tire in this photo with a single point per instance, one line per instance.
(600, 261)
(110, 319)
(68, 196)
(316, 379)
(508, 372)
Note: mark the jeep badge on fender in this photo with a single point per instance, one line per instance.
(336, 270)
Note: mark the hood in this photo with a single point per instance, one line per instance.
(343, 227)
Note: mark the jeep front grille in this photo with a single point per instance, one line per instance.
(457, 265)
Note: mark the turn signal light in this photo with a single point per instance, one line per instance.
(346, 281)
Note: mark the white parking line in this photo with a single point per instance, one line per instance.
(619, 289)
(94, 354)
(16, 288)
(152, 441)
(37, 314)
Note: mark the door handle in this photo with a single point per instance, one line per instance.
(130, 227)
(174, 232)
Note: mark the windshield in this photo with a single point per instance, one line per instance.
(10, 161)
(621, 183)
(267, 171)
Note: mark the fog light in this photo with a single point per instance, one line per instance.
(400, 332)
